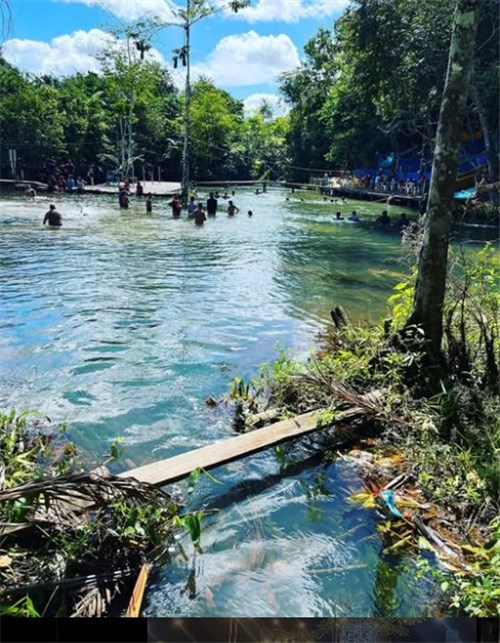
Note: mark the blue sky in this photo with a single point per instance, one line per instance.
(242, 53)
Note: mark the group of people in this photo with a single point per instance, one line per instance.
(63, 180)
(196, 209)
(384, 220)
(387, 182)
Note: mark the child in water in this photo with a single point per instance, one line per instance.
(232, 209)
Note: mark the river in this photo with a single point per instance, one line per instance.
(122, 323)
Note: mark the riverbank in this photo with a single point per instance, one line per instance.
(428, 451)
(155, 188)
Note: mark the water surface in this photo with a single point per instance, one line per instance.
(122, 323)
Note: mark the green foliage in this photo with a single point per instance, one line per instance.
(195, 476)
(130, 119)
(135, 523)
(216, 118)
(357, 94)
(48, 539)
(478, 593)
(401, 301)
(475, 592)
(192, 523)
(26, 443)
(279, 378)
(116, 449)
(24, 607)
(325, 418)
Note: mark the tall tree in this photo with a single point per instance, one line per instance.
(216, 119)
(428, 303)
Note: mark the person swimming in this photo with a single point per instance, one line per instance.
(402, 222)
(53, 217)
(384, 219)
(338, 217)
(353, 216)
(250, 213)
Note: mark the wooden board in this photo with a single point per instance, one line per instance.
(213, 455)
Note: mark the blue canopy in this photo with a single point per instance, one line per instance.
(465, 194)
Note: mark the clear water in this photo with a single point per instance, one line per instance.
(122, 323)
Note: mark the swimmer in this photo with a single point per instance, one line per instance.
(250, 213)
(339, 217)
(384, 219)
(53, 217)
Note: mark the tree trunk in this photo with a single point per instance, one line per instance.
(187, 112)
(488, 143)
(427, 310)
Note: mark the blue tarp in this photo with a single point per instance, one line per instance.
(465, 194)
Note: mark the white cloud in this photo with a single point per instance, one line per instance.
(248, 59)
(133, 9)
(64, 55)
(288, 10)
(254, 102)
(262, 10)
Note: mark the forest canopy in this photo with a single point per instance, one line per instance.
(369, 87)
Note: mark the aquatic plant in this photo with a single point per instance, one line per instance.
(72, 542)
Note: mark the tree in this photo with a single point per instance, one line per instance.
(122, 68)
(195, 11)
(30, 120)
(485, 90)
(427, 311)
(306, 89)
(215, 119)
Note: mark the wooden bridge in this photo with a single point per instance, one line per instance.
(214, 455)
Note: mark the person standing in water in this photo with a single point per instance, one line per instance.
(211, 205)
(149, 203)
(53, 217)
(199, 215)
(123, 199)
(232, 209)
(176, 207)
(192, 207)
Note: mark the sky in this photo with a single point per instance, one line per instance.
(242, 53)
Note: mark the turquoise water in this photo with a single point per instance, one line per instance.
(122, 323)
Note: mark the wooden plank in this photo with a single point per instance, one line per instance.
(214, 455)
(134, 606)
